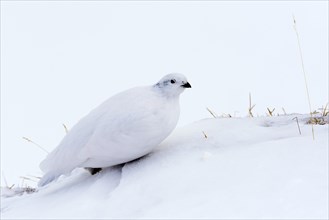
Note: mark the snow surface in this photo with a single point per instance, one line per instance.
(245, 168)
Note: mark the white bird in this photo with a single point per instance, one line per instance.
(125, 127)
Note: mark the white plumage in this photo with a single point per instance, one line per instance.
(125, 127)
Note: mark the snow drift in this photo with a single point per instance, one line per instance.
(214, 168)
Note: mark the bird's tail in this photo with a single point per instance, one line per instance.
(48, 178)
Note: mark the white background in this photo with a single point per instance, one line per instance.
(61, 59)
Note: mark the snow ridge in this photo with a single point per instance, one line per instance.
(243, 168)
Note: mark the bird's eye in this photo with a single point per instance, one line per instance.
(172, 81)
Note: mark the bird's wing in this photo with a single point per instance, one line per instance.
(63, 157)
(67, 155)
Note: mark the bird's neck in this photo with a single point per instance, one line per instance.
(165, 93)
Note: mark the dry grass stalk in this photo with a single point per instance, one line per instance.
(270, 112)
(284, 111)
(317, 121)
(5, 180)
(27, 178)
(250, 107)
(295, 118)
(212, 113)
(303, 68)
(226, 115)
(36, 177)
(204, 134)
(29, 140)
(325, 111)
(28, 190)
(65, 128)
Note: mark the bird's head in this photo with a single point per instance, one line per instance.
(172, 84)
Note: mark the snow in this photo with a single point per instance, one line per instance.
(248, 168)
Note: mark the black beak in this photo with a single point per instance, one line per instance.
(186, 85)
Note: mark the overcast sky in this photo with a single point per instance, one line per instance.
(59, 60)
